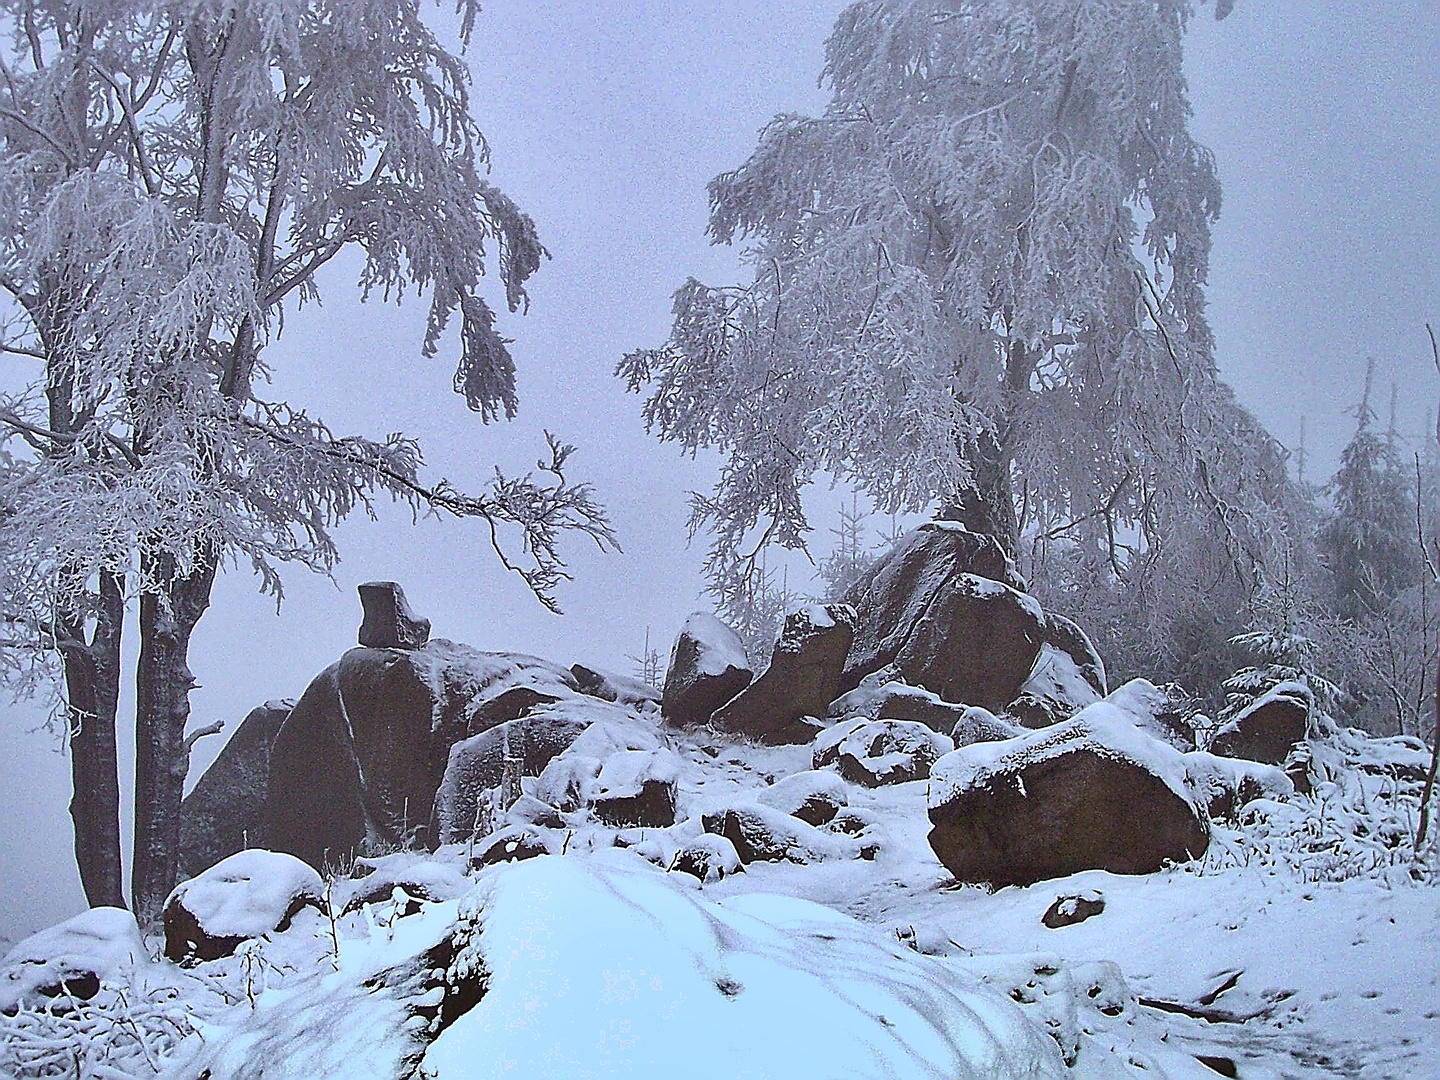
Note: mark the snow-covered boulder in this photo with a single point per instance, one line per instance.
(707, 857)
(802, 679)
(621, 689)
(572, 779)
(879, 752)
(814, 797)
(1224, 785)
(389, 623)
(1055, 689)
(637, 787)
(1163, 711)
(1268, 727)
(513, 843)
(362, 754)
(978, 725)
(707, 668)
(477, 764)
(247, 895)
(944, 610)
(225, 812)
(102, 945)
(421, 879)
(1092, 792)
(600, 966)
(763, 834)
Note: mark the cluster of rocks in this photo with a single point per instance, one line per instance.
(936, 666)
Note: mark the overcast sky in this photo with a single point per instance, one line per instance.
(606, 120)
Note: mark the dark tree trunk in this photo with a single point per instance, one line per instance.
(987, 503)
(92, 684)
(169, 609)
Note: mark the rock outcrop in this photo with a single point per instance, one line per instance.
(801, 681)
(1092, 793)
(477, 764)
(707, 668)
(364, 751)
(1266, 729)
(389, 623)
(225, 812)
(944, 610)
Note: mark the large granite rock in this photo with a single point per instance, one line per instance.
(1266, 729)
(225, 812)
(477, 764)
(801, 681)
(944, 610)
(1092, 793)
(389, 623)
(708, 667)
(359, 759)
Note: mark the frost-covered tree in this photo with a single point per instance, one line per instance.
(977, 279)
(173, 174)
(1369, 540)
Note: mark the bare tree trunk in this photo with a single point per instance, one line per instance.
(92, 684)
(169, 610)
(1430, 779)
(987, 503)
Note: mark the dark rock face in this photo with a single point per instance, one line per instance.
(608, 686)
(707, 668)
(477, 764)
(1072, 909)
(637, 788)
(1067, 636)
(225, 812)
(1083, 795)
(879, 752)
(945, 611)
(901, 702)
(364, 751)
(801, 681)
(1266, 730)
(389, 623)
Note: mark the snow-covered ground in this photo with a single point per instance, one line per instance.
(599, 962)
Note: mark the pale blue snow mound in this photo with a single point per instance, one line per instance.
(602, 967)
